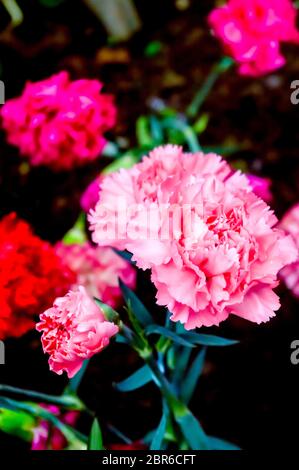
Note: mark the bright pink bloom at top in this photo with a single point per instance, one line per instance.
(261, 186)
(252, 30)
(290, 274)
(74, 329)
(98, 270)
(222, 254)
(58, 122)
(91, 195)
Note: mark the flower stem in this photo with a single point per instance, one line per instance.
(207, 86)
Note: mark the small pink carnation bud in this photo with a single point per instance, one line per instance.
(73, 330)
(252, 30)
(261, 187)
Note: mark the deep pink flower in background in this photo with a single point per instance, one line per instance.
(98, 270)
(229, 260)
(58, 122)
(47, 437)
(290, 274)
(91, 195)
(261, 187)
(252, 30)
(73, 330)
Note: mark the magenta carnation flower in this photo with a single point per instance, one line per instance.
(252, 30)
(290, 274)
(58, 122)
(209, 241)
(74, 329)
(98, 270)
(261, 186)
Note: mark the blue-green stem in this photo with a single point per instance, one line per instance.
(203, 92)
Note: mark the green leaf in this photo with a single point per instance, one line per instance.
(95, 441)
(138, 379)
(201, 124)
(35, 410)
(77, 233)
(191, 379)
(182, 360)
(192, 431)
(75, 382)
(126, 255)
(144, 137)
(161, 330)
(139, 310)
(221, 444)
(156, 129)
(127, 160)
(109, 313)
(17, 423)
(208, 340)
(66, 400)
(157, 441)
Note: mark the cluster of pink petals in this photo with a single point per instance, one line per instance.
(58, 122)
(261, 187)
(252, 30)
(47, 437)
(73, 330)
(290, 274)
(91, 195)
(228, 264)
(98, 270)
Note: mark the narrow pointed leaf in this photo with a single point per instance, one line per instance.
(160, 433)
(208, 340)
(124, 254)
(161, 330)
(183, 357)
(140, 378)
(220, 444)
(191, 379)
(142, 314)
(95, 441)
(192, 431)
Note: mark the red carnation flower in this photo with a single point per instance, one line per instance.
(31, 276)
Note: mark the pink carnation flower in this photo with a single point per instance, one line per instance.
(222, 255)
(74, 329)
(91, 195)
(290, 274)
(261, 187)
(98, 270)
(59, 123)
(252, 30)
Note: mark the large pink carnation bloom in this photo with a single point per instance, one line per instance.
(290, 274)
(252, 30)
(59, 123)
(98, 270)
(226, 262)
(74, 329)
